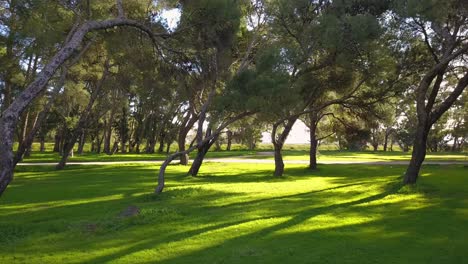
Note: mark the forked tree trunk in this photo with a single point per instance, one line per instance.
(278, 144)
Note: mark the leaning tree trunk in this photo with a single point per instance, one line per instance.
(198, 161)
(418, 155)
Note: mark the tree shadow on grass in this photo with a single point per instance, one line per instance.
(235, 242)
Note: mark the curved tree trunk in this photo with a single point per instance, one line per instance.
(418, 155)
(278, 143)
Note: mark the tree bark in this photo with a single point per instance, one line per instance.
(42, 142)
(229, 140)
(201, 153)
(278, 143)
(418, 155)
(313, 119)
(57, 139)
(82, 142)
(187, 124)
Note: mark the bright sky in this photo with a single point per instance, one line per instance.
(299, 134)
(172, 16)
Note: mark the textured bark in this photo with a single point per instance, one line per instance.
(418, 154)
(42, 144)
(201, 153)
(108, 133)
(161, 143)
(278, 143)
(187, 124)
(229, 140)
(82, 142)
(428, 114)
(57, 139)
(279, 164)
(313, 119)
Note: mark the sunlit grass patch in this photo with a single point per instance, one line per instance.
(235, 213)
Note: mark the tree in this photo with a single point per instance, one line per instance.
(438, 29)
(10, 115)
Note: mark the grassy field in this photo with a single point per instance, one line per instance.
(235, 213)
(324, 155)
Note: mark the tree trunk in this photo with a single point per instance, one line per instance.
(184, 158)
(418, 155)
(108, 133)
(10, 115)
(168, 148)
(81, 142)
(454, 146)
(115, 147)
(279, 164)
(161, 143)
(278, 144)
(385, 141)
(137, 147)
(56, 142)
(229, 140)
(313, 118)
(198, 161)
(42, 142)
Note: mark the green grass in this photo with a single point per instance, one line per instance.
(235, 213)
(324, 155)
(336, 155)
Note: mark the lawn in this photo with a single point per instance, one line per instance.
(235, 213)
(289, 154)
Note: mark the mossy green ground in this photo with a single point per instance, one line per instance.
(235, 213)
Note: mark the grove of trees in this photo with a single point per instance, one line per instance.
(121, 77)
